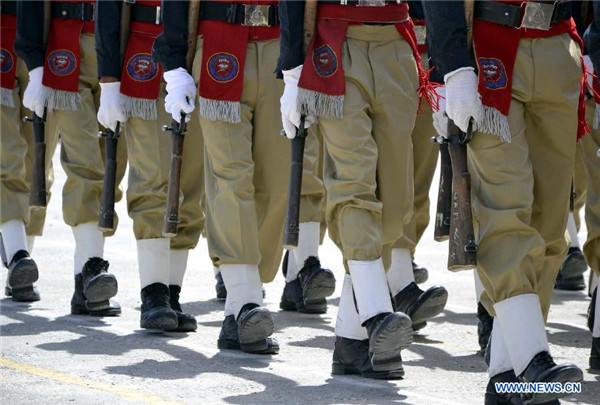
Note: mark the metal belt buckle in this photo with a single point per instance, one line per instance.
(371, 3)
(421, 33)
(538, 15)
(256, 16)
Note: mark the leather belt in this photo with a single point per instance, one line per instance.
(73, 11)
(245, 14)
(361, 3)
(146, 14)
(531, 14)
(8, 7)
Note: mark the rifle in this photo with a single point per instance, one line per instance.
(38, 196)
(292, 221)
(106, 217)
(171, 220)
(442, 216)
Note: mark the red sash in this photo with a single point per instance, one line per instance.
(496, 49)
(223, 58)
(8, 59)
(596, 92)
(322, 84)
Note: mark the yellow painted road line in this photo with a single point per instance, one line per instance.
(123, 392)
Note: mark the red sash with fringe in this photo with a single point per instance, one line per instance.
(496, 49)
(223, 57)
(141, 76)
(322, 84)
(8, 59)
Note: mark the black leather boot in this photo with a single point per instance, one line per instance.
(352, 357)
(254, 326)
(220, 287)
(27, 293)
(79, 303)
(492, 397)
(22, 270)
(388, 334)
(595, 351)
(307, 293)
(185, 322)
(229, 340)
(570, 276)
(420, 305)
(485, 322)
(98, 285)
(156, 312)
(421, 273)
(542, 368)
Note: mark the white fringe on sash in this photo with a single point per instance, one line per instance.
(220, 110)
(61, 100)
(139, 107)
(319, 104)
(494, 122)
(6, 97)
(596, 117)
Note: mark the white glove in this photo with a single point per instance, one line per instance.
(111, 105)
(462, 99)
(440, 119)
(589, 66)
(33, 98)
(290, 116)
(181, 93)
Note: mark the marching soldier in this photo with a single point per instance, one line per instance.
(366, 112)
(18, 224)
(133, 94)
(63, 82)
(520, 161)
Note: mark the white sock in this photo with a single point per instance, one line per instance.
(308, 243)
(13, 237)
(89, 242)
(499, 357)
(216, 270)
(153, 261)
(522, 326)
(292, 270)
(596, 330)
(30, 243)
(243, 285)
(348, 324)
(593, 281)
(177, 265)
(400, 273)
(478, 285)
(572, 231)
(370, 288)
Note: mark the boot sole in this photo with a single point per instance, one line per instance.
(576, 283)
(164, 320)
(256, 327)
(431, 305)
(321, 286)
(25, 273)
(187, 325)
(101, 288)
(79, 310)
(571, 375)
(21, 295)
(395, 335)
(340, 369)
(311, 307)
(262, 347)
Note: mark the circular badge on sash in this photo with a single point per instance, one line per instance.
(6, 61)
(325, 61)
(62, 62)
(494, 74)
(223, 67)
(141, 67)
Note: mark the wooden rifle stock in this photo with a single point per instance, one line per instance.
(106, 219)
(171, 221)
(38, 196)
(444, 202)
(462, 249)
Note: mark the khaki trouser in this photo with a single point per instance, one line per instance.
(590, 144)
(313, 189)
(521, 189)
(149, 154)
(580, 178)
(425, 157)
(82, 155)
(16, 159)
(247, 170)
(368, 168)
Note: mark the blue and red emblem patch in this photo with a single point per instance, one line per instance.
(6, 61)
(223, 67)
(141, 67)
(494, 74)
(62, 62)
(325, 61)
